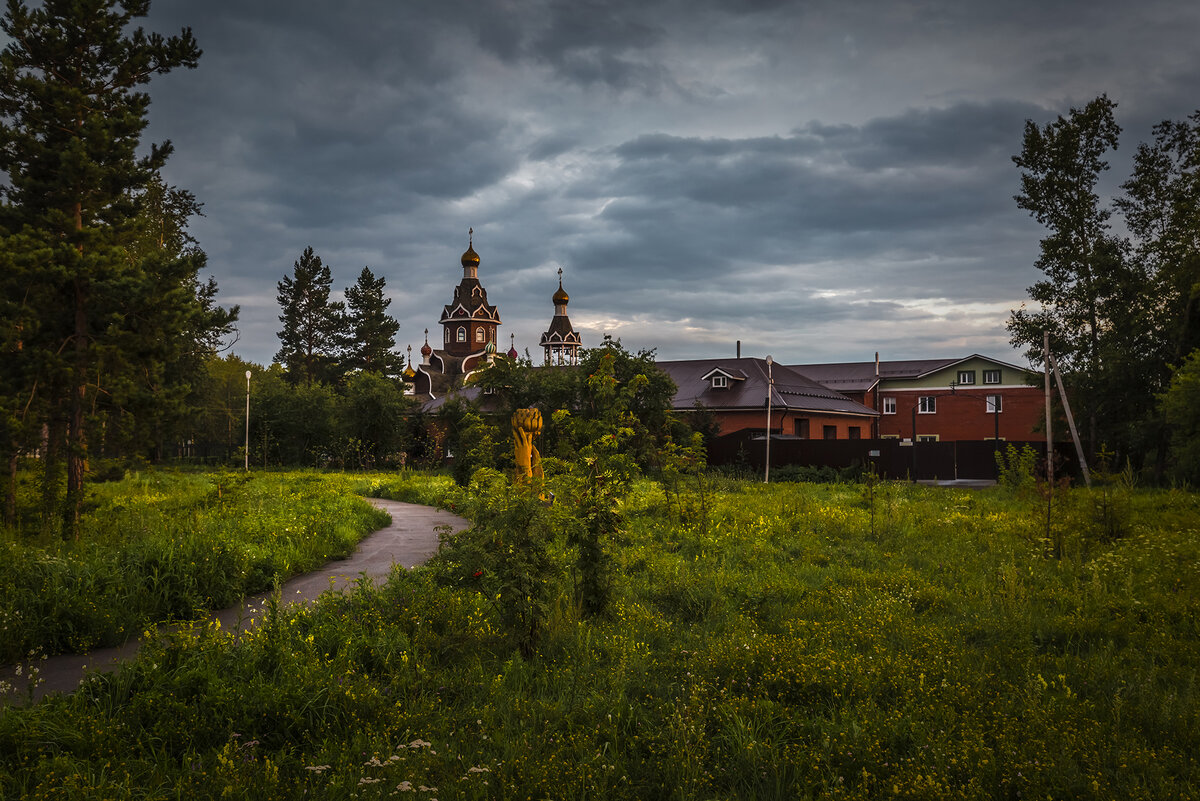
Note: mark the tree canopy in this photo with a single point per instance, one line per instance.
(101, 297)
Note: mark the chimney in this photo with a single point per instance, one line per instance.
(739, 348)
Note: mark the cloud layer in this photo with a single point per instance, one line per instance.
(820, 180)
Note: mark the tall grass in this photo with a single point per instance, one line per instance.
(167, 546)
(775, 646)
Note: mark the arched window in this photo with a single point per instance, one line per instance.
(446, 334)
(478, 334)
(462, 334)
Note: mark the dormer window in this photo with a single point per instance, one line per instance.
(720, 381)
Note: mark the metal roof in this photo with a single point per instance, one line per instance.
(792, 389)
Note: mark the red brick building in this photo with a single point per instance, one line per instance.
(941, 400)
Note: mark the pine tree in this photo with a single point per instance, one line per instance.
(71, 120)
(372, 331)
(313, 326)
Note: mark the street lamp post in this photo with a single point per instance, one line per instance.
(247, 465)
(770, 391)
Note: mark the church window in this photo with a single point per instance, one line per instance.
(478, 334)
(462, 334)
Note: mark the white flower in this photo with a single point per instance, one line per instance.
(405, 787)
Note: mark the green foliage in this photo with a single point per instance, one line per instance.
(165, 546)
(105, 318)
(507, 554)
(1181, 408)
(1017, 468)
(1111, 498)
(313, 325)
(783, 652)
(818, 475)
(371, 337)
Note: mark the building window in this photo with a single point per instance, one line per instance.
(801, 427)
(478, 334)
(927, 437)
(889, 436)
(462, 334)
(889, 405)
(719, 382)
(829, 432)
(991, 376)
(855, 432)
(927, 404)
(995, 403)
(446, 334)
(966, 376)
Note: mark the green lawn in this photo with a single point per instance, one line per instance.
(783, 641)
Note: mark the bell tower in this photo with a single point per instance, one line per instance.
(469, 322)
(561, 342)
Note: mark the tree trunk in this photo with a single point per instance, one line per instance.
(76, 436)
(50, 447)
(10, 495)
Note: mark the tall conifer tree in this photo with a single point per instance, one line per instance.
(371, 343)
(71, 120)
(313, 325)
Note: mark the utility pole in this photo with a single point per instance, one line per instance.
(770, 391)
(247, 465)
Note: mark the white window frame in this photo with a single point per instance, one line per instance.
(928, 437)
(462, 333)
(889, 405)
(995, 403)
(720, 382)
(966, 377)
(927, 404)
(991, 376)
(479, 335)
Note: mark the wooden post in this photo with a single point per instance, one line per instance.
(1062, 393)
(1049, 439)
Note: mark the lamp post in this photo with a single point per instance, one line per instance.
(247, 465)
(770, 390)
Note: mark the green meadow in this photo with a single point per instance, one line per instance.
(871, 640)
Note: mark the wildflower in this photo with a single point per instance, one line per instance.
(405, 787)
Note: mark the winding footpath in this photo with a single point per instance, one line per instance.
(410, 539)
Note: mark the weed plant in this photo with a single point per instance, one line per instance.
(164, 546)
(773, 647)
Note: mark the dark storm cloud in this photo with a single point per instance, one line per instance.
(834, 173)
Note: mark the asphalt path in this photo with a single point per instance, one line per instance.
(410, 539)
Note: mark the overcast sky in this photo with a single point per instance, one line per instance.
(820, 180)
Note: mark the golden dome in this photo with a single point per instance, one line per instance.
(561, 296)
(470, 258)
(409, 373)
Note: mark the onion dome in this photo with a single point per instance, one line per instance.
(470, 258)
(410, 373)
(560, 297)
(490, 349)
(512, 346)
(425, 349)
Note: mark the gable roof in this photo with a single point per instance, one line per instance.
(860, 376)
(792, 390)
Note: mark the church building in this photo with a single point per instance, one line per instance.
(469, 329)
